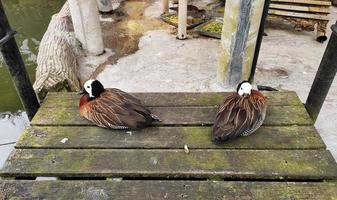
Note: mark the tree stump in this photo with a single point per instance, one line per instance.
(57, 64)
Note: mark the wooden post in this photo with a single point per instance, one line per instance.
(165, 6)
(239, 34)
(104, 5)
(182, 20)
(16, 66)
(84, 14)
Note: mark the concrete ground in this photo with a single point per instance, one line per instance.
(145, 56)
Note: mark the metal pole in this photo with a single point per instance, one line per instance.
(16, 67)
(259, 39)
(324, 76)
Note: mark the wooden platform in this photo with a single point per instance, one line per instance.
(285, 159)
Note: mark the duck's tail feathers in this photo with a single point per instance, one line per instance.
(155, 118)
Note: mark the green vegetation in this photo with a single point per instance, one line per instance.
(213, 27)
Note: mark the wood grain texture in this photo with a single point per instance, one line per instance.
(231, 164)
(297, 14)
(267, 137)
(303, 8)
(310, 2)
(286, 98)
(155, 161)
(170, 190)
(276, 115)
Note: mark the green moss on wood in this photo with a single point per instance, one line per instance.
(154, 190)
(260, 164)
(276, 115)
(267, 137)
(60, 99)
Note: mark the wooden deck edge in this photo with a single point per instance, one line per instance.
(153, 190)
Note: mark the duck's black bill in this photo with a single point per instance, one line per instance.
(80, 92)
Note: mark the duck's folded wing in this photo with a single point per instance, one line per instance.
(118, 111)
(118, 95)
(103, 115)
(231, 120)
(129, 102)
(225, 130)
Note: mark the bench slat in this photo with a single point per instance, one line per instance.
(276, 115)
(60, 99)
(135, 163)
(267, 137)
(297, 14)
(170, 190)
(315, 9)
(311, 2)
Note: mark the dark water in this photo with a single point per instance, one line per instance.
(30, 18)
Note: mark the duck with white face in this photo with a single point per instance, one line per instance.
(241, 114)
(113, 108)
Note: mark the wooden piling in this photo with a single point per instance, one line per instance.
(84, 14)
(16, 66)
(165, 6)
(239, 34)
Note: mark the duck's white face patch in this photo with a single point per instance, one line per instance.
(88, 87)
(245, 88)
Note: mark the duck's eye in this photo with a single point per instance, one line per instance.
(241, 88)
(88, 86)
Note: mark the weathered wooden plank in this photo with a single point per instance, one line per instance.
(316, 9)
(267, 137)
(170, 190)
(276, 115)
(61, 99)
(310, 2)
(231, 164)
(297, 14)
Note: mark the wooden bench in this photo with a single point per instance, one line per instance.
(285, 159)
(305, 14)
